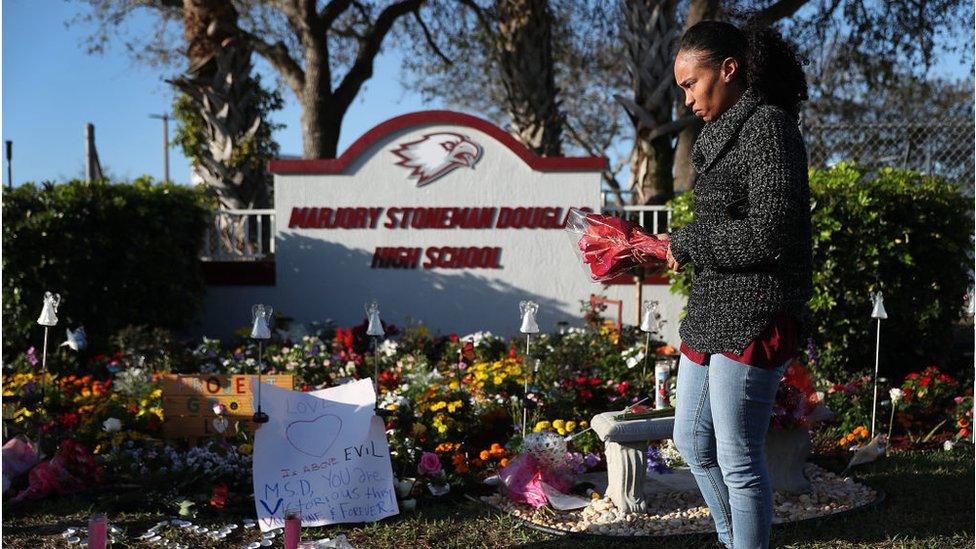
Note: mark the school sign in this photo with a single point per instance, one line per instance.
(440, 216)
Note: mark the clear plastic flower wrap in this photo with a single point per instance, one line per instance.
(610, 246)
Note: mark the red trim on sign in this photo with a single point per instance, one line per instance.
(428, 118)
(238, 273)
(649, 279)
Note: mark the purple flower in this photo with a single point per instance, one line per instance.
(32, 356)
(591, 460)
(656, 463)
(313, 351)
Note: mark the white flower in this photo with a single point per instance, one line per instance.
(388, 348)
(635, 360)
(112, 425)
(948, 445)
(896, 395)
(478, 338)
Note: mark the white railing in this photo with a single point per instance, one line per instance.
(240, 235)
(655, 219)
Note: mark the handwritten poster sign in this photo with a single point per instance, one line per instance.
(188, 402)
(324, 453)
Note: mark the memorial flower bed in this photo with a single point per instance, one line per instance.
(453, 405)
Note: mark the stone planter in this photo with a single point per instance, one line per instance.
(786, 455)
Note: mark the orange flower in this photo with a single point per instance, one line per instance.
(459, 463)
(495, 447)
(504, 462)
(963, 423)
(446, 447)
(485, 455)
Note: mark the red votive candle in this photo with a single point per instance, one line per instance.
(97, 531)
(293, 528)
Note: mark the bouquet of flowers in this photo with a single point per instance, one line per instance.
(797, 404)
(611, 246)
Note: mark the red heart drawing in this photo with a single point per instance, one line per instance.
(314, 437)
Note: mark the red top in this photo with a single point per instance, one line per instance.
(774, 346)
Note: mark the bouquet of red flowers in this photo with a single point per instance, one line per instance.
(611, 246)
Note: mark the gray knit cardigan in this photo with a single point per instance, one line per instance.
(750, 240)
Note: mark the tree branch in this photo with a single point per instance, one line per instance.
(430, 39)
(780, 10)
(332, 11)
(362, 68)
(277, 55)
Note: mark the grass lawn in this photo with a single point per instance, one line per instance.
(929, 503)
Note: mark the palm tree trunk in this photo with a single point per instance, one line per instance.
(524, 49)
(219, 83)
(684, 172)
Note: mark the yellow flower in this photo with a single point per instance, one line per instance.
(584, 424)
(498, 380)
(454, 406)
(558, 424)
(453, 385)
(245, 448)
(570, 426)
(542, 425)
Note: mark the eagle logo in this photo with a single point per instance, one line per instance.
(437, 154)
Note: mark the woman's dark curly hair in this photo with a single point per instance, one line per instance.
(772, 66)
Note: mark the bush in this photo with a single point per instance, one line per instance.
(119, 255)
(898, 231)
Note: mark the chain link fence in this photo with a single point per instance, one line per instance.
(943, 148)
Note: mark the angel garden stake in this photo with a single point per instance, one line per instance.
(261, 330)
(529, 326)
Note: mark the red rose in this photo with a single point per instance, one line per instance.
(219, 497)
(924, 382)
(454, 338)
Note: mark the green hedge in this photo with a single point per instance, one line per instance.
(118, 253)
(893, 230)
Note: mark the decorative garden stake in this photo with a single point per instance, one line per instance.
(529, 326)
(375, 331)
(48, 318)
(261, 330)
(651, 323)
(878, 312)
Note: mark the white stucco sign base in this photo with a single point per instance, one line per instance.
(441, 217)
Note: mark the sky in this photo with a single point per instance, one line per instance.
(51, 88)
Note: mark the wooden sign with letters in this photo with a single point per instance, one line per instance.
(188, 402)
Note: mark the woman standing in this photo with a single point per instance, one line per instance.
(750, 247)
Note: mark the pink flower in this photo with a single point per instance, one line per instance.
(430, 464)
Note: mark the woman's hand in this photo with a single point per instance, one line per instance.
(672, 263)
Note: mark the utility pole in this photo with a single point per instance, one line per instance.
(9, 155)
(165, 118)
(93, 168)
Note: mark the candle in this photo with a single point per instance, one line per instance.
(661, 372)
(293, 528)
(97, 531)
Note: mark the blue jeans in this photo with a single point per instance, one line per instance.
(722, 413)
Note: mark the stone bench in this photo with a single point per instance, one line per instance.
(625, 444)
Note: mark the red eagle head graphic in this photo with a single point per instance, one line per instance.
(436, 154)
